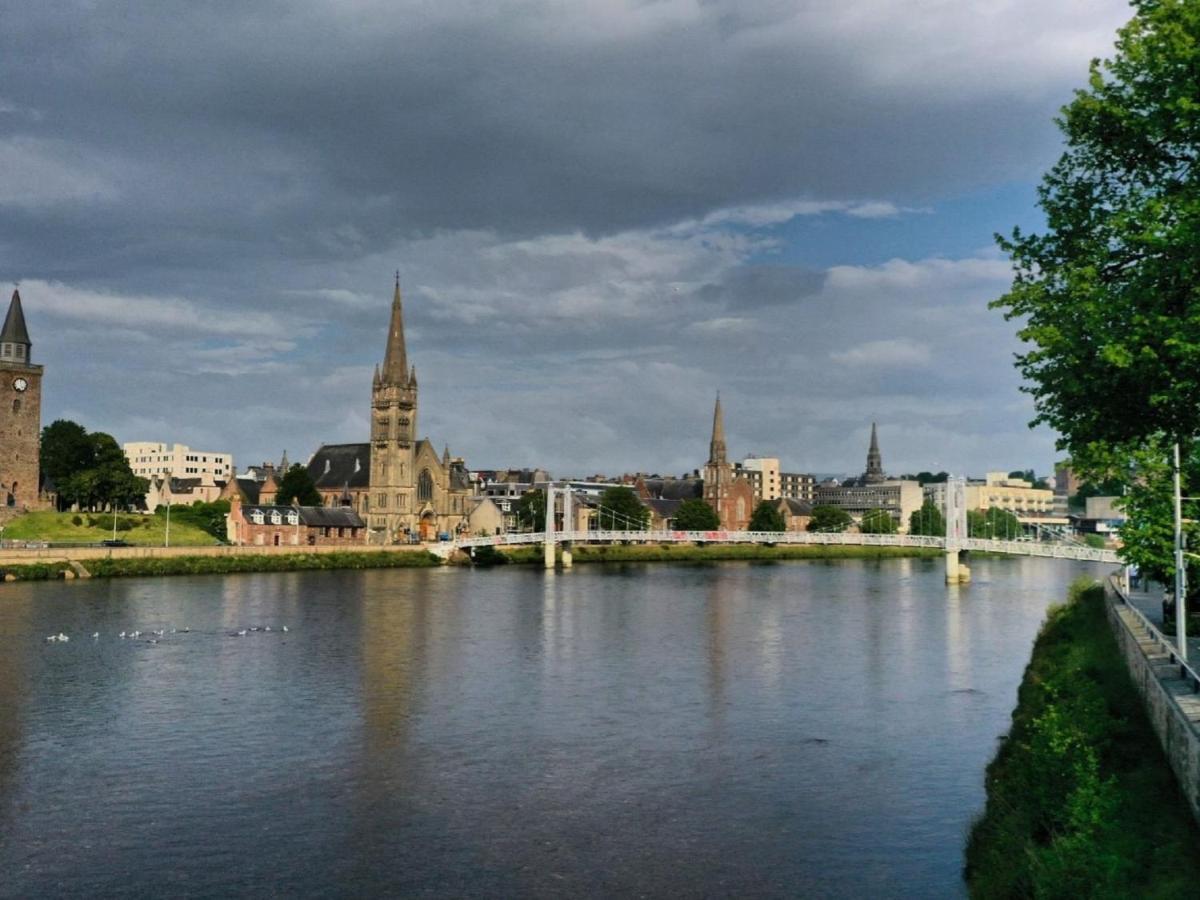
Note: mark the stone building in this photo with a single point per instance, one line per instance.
(872, 490)
(730, 496)
(292, 526)
(206, 468)
(20, 413)
(412, 494)
(342, 475)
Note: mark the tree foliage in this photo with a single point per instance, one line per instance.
(90, 470)
(621, 510)
(297, 486)
(531, 510)
(767, 517)
(829, 518)
(928, 520)
(877, 521)
(993, 523)
(696, 515)
(1107, 295)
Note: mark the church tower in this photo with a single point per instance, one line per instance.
(874, 473)
(20, 412)
(393, 430)
(730, 497)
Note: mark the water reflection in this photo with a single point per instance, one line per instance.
(816, 729)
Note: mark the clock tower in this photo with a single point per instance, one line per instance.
(20, 413)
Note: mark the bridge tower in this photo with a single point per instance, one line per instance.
(956, 530)
(548, 538)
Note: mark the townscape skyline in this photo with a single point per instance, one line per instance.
(589, 205)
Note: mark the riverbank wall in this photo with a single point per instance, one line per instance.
(1168, 692)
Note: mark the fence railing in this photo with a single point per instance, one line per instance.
(1186, 672)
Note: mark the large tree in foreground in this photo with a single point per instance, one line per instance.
(1109, 295)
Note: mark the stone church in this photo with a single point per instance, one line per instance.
(396, 482)
(20, 414)
(729, 494)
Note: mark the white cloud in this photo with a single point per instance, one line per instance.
(892, 353)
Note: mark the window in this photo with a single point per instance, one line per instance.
(276, 518)
(257, 517)
(381, 501)
(425, 486)
(20, 351)
(293, 519)
(16, 406)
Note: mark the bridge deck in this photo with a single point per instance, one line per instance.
(1047, 549)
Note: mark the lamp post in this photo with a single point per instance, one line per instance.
(167, 534)
(1180, 572)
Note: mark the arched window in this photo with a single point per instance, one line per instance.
(425, 486)
(16, 406)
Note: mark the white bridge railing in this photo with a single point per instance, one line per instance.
(1052, 550)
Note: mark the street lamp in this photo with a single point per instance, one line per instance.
(1180, 572)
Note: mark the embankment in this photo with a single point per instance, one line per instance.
(1081, 801)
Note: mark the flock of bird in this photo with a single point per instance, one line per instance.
(152, 637)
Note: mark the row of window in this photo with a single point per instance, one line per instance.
(259, 518)
(13, 351)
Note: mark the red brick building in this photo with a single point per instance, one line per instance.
(293, 526)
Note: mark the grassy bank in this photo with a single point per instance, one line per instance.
(717, 553)
(289, 562)
(35, 571)
(1081, 801)
(91, 528)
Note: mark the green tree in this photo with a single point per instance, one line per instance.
(297, 486)
(696, 515)
(1107, 294)
(115, 483)
(928, 520)
(877, 521)
(767, 517)
(621, 510)
(829, 518)
(993, 523)
(531, 510)
(65, 449)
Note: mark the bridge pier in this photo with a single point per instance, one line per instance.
(568, 526)
(956, 572)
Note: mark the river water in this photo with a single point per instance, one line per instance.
(815, 729)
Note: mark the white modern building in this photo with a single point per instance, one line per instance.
(150, 460)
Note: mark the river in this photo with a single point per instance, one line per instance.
(814, 728)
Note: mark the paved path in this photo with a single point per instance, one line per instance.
(1149, 602)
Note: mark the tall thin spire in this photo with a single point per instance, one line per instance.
(874, 473)
(395, 359)
(716, 447)
(14, 334)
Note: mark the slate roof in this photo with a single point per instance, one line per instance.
(675, 488)
(250, 489)
(340, 466)
(14, 330)
(314, 516)
(664, 509)
(797, 507)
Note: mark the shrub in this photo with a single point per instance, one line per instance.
(76, 521)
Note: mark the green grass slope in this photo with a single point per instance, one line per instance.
(95, 527)
(1080, 800)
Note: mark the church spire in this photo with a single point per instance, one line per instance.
(716, 447)
(395, 360)
(14, 336)
(874, 473)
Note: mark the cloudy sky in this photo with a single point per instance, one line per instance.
(603, 212)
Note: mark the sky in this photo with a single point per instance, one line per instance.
(602, 212)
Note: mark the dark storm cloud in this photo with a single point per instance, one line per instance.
(207, 199)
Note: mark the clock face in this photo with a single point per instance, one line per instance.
(20, 384)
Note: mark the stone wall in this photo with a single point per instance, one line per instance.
(19, 556)
(1171, 701)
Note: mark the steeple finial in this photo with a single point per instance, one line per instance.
(395, 359)
(716, 447)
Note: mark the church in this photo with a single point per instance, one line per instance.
(20, 415)
(398, 483)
